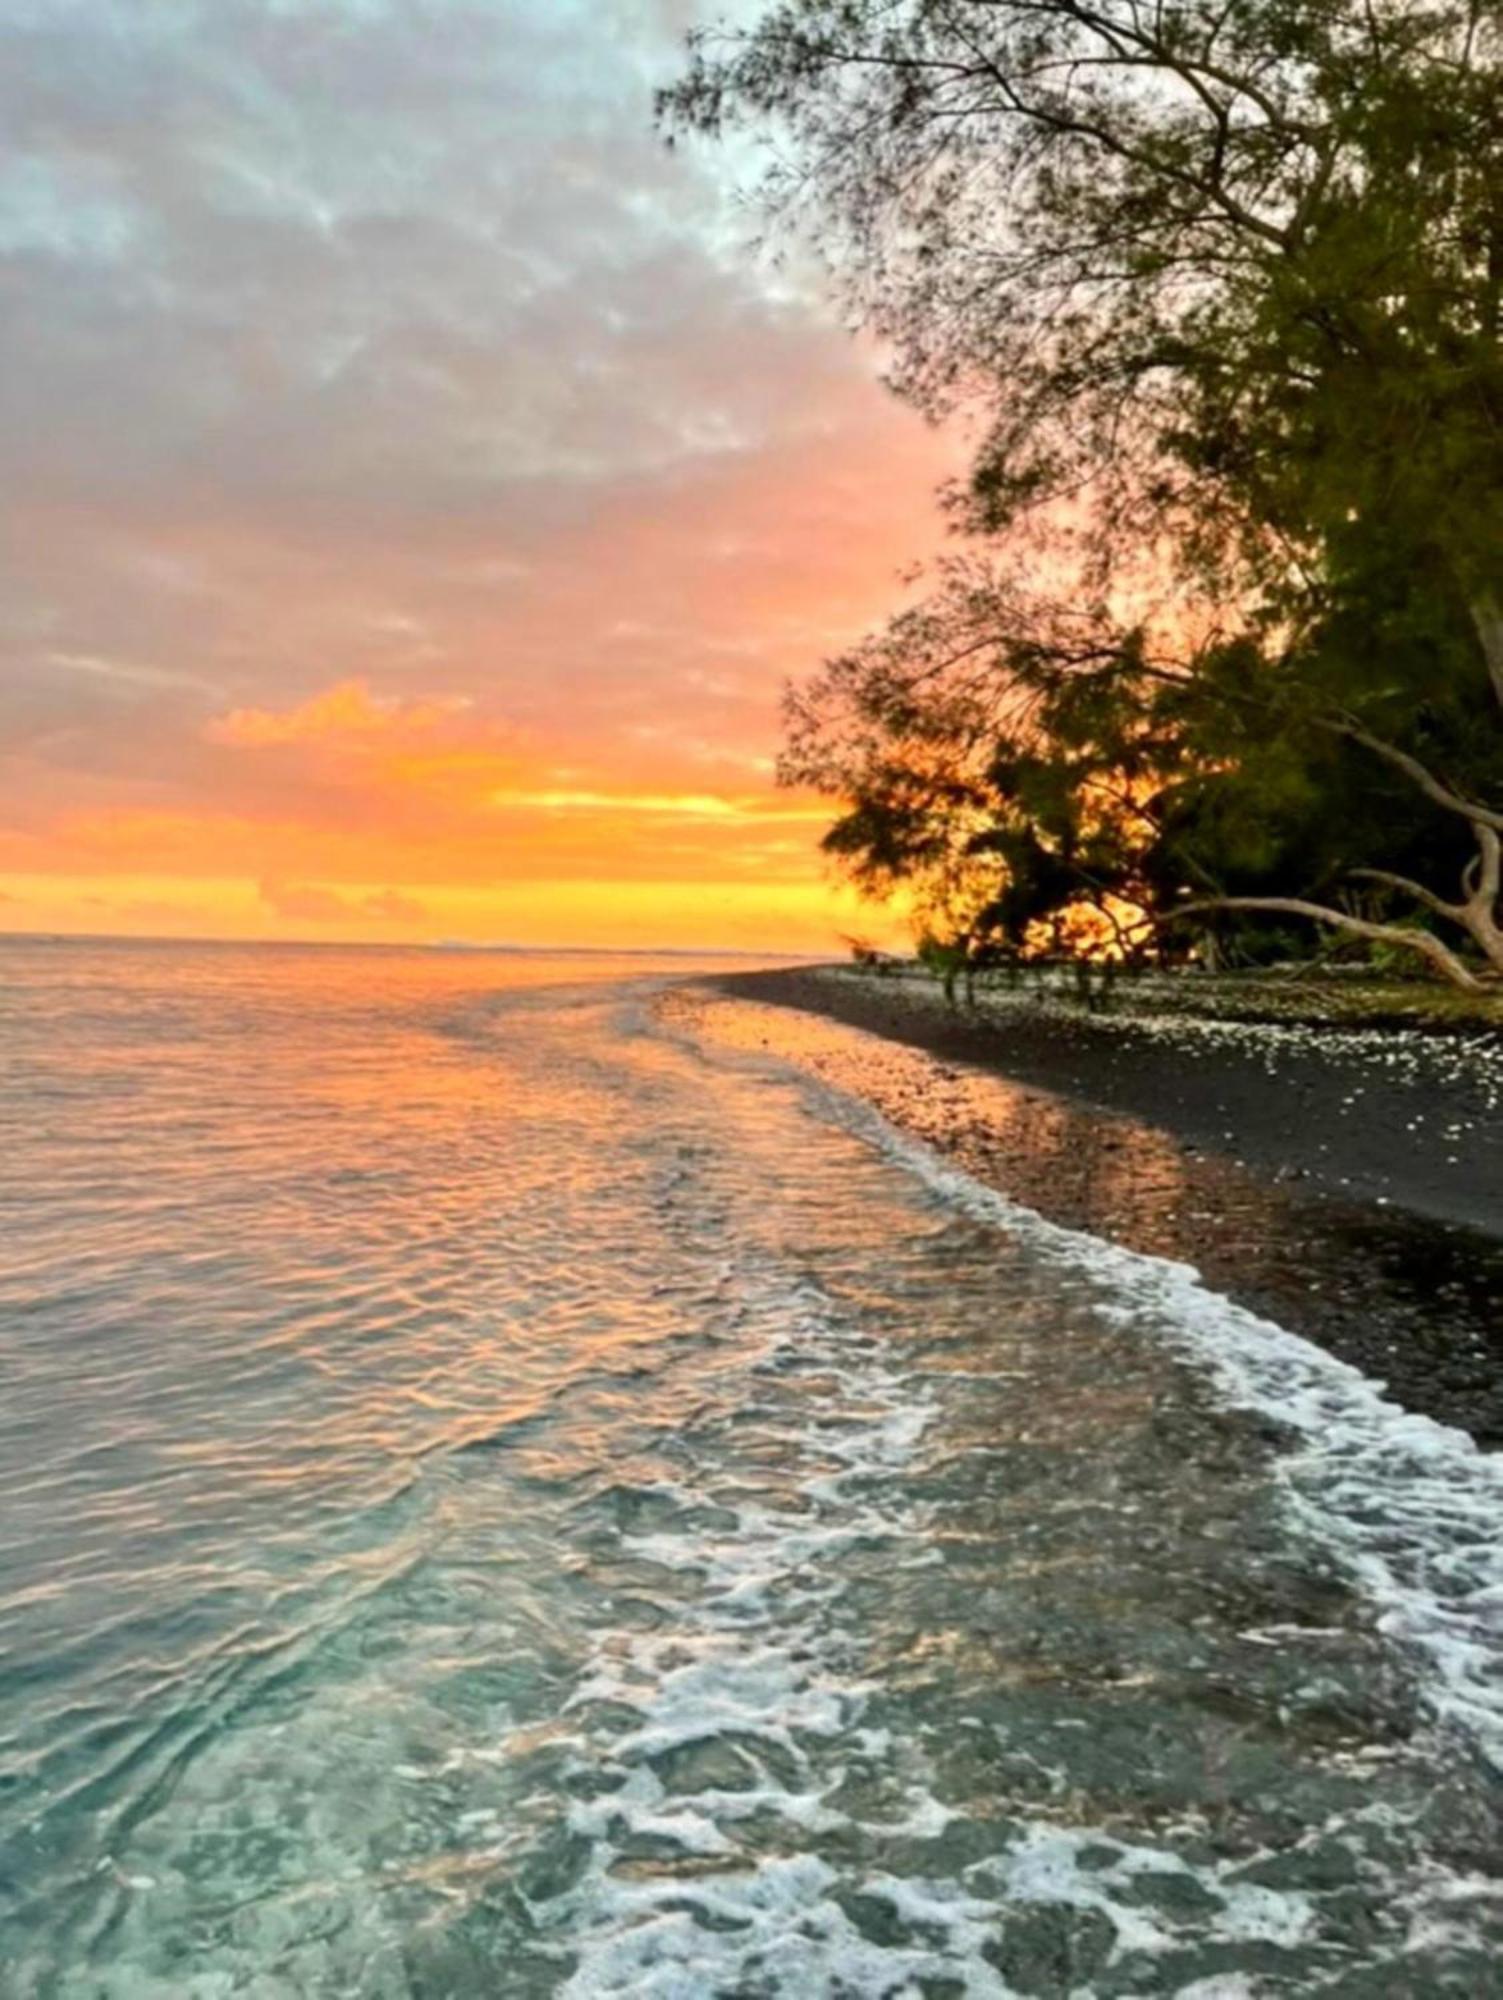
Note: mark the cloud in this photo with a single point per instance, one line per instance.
(702, 805)
(307, 902)
(391, 424)
(302, 902)
(343, 713)
(396, 908)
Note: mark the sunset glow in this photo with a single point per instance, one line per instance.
(417, 493)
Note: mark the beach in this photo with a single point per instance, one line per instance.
(1347, 1183)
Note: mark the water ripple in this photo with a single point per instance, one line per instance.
(504, 1498)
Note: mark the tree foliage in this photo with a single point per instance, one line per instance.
(1224, 279)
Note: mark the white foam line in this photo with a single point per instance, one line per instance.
(756, 1666)
(1410, 1507)
(779, 1682)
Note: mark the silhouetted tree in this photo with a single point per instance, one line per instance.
(1225, 281)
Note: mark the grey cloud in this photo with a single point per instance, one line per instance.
(382, 337)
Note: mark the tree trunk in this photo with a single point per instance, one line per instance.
(1479, 913)
(1487, 617)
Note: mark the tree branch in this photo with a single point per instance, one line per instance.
(1440, 956)
(1417, 890)
(1429, 784)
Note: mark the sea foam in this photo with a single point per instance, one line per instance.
(1410, 1507)
(758, 1674)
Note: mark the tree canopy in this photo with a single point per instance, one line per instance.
(1223, 280)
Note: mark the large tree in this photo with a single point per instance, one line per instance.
(1224, 277)
(1014, 761)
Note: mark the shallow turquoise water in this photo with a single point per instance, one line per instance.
(510, 1493)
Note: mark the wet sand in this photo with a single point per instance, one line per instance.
(1348, 1186)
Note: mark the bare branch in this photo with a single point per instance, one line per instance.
(1455, 911)
(1438, 793)
(1439, 955)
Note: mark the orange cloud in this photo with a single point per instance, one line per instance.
(306, 902)
(659, 805)
(346, 713)
(749, 915)
(436, 539)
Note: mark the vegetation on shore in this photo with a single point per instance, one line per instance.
(1216, 665)
(1290, 995)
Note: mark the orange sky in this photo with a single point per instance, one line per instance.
(417, 490)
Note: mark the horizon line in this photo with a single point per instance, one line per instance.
(499, 947)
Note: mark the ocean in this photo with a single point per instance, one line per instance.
(514, 1486)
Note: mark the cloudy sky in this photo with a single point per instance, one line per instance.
(416, 487)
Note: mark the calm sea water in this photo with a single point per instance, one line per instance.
(513, 1487)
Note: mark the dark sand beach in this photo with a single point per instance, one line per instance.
(1347, 1184)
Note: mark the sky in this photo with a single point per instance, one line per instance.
(417, 485)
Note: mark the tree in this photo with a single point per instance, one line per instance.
(1016, 759)
(1225, 280)
(987, 770)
